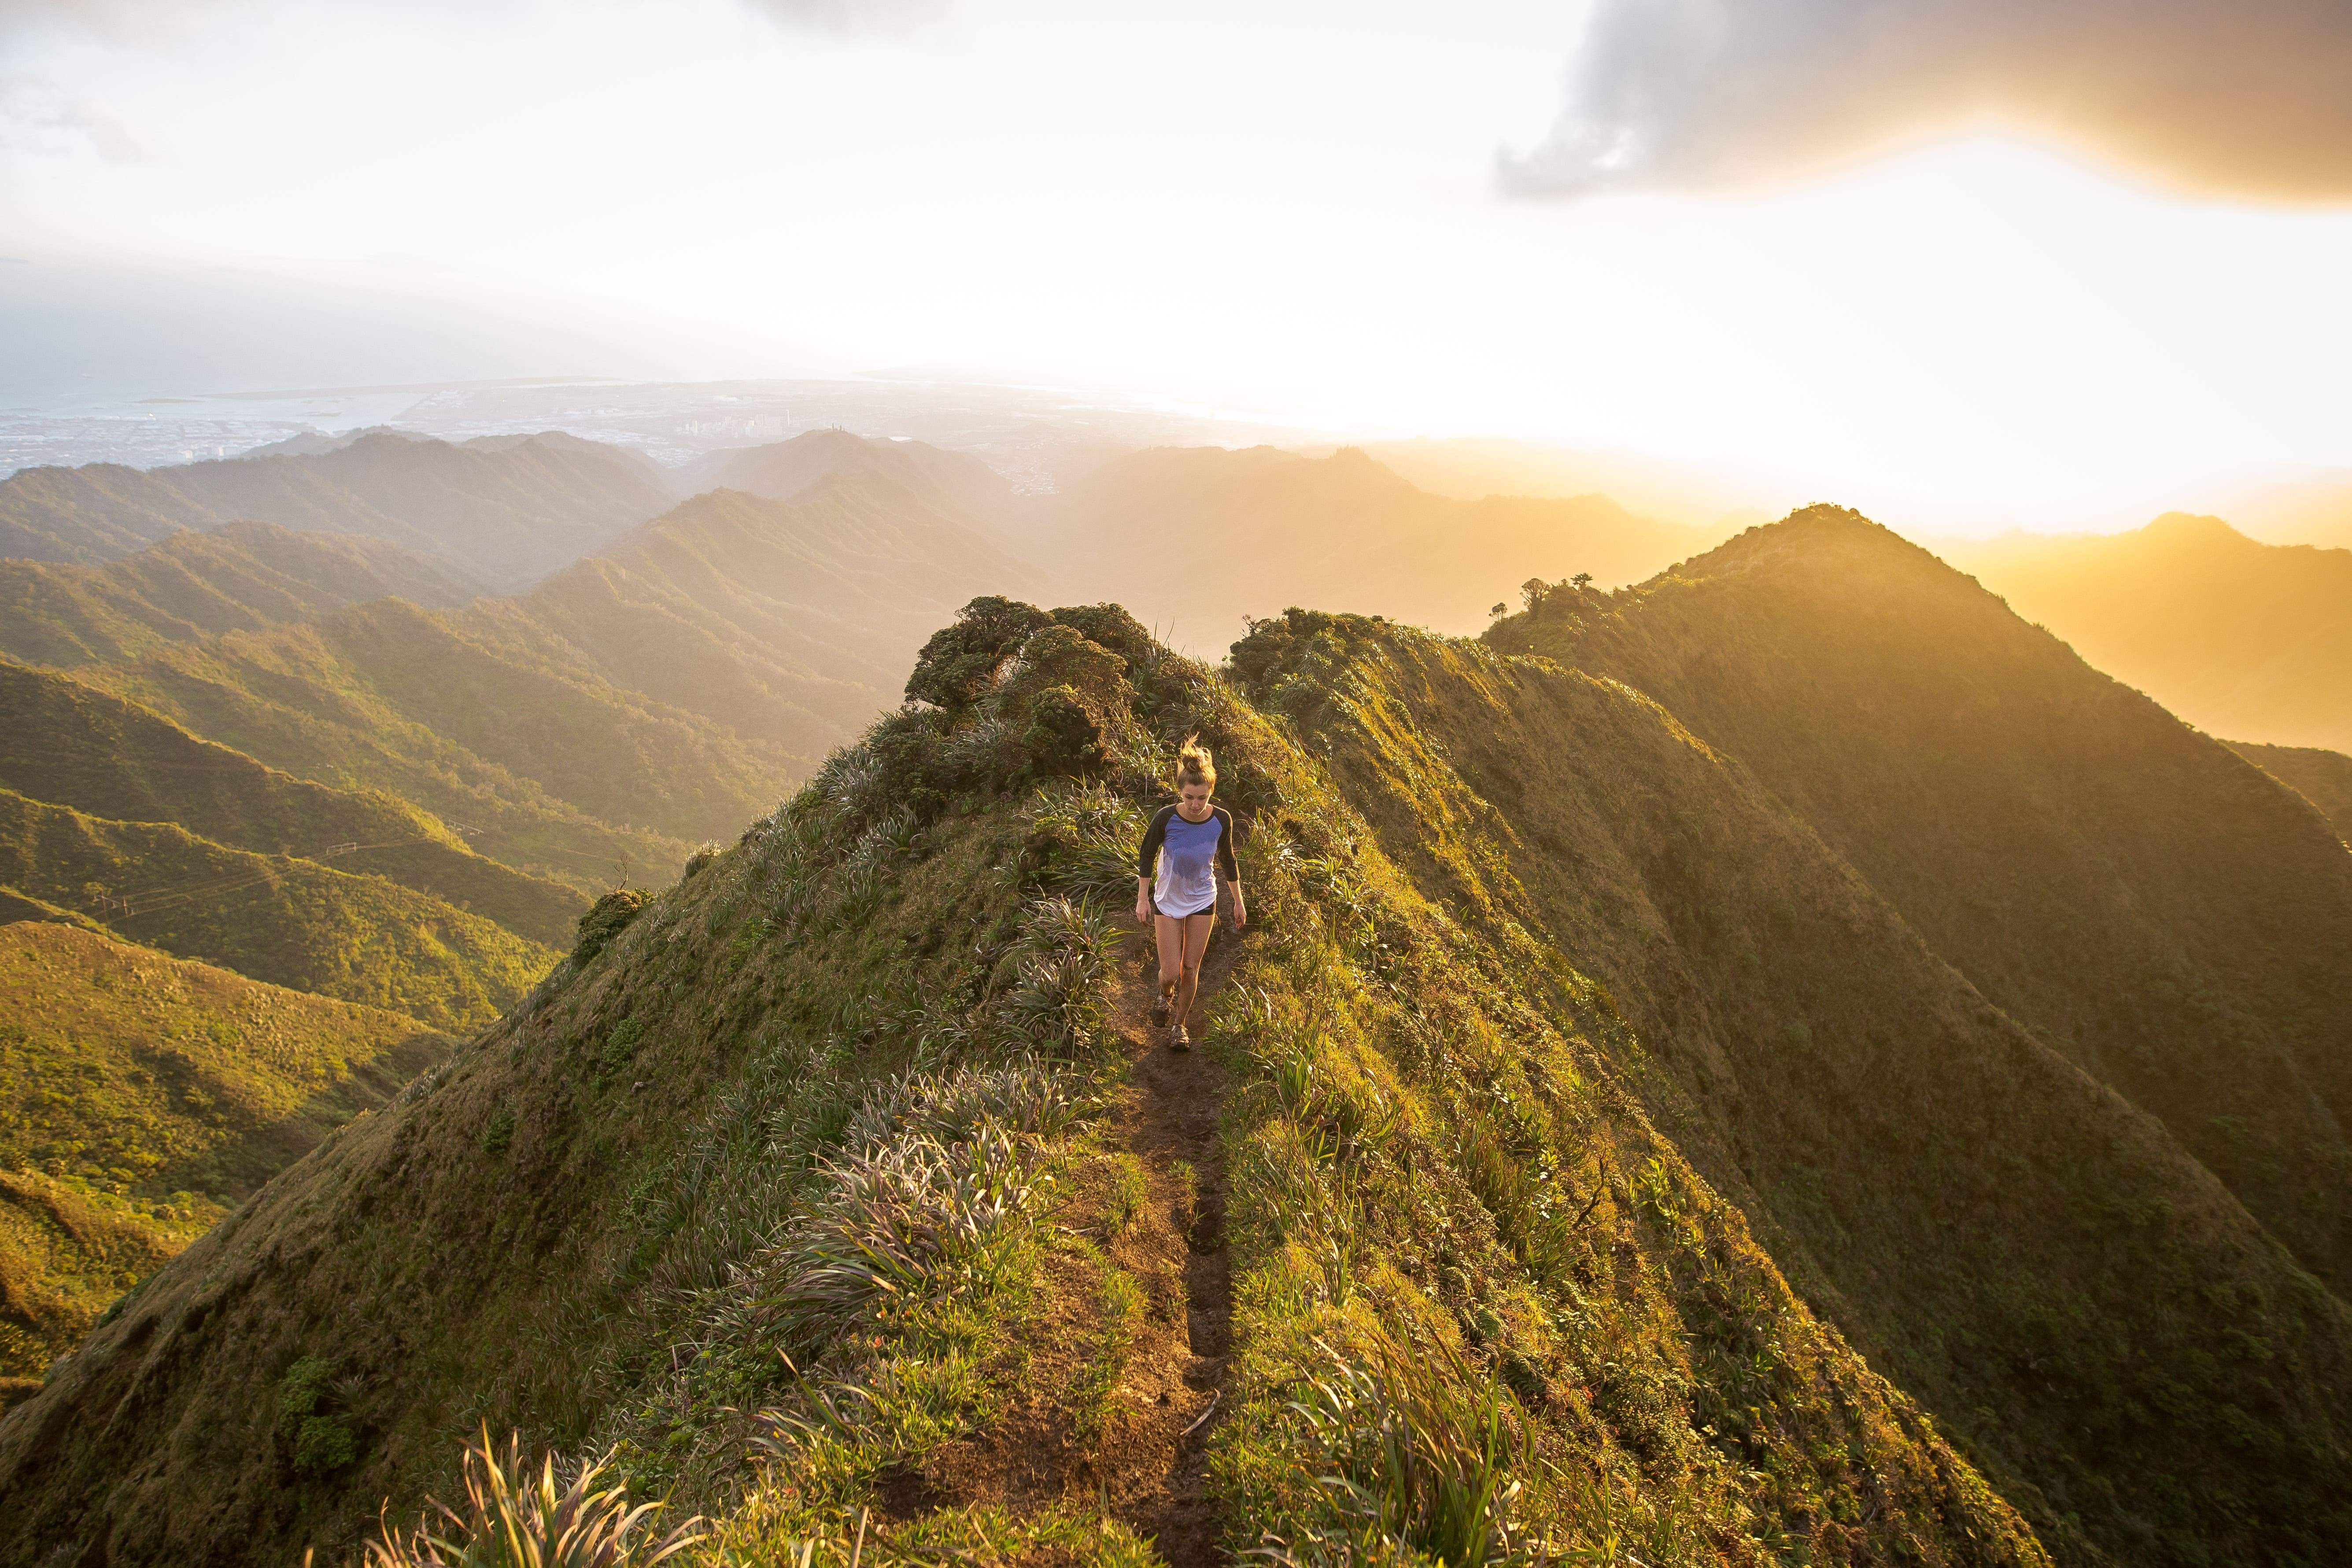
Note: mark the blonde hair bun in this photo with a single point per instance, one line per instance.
(1195, 766)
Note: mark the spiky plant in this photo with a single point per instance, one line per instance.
(514, 1519)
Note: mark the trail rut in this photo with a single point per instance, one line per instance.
(1145, 1463)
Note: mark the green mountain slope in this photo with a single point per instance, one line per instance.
(795, 620)
(2237, 637)
(560, 774)
(2321, 777)
(2155, 908)
(288, 922)
(140, 1097)
(508, 512)
(239, 577)
(70, 745)
(1582, 1123)
(2036, 1262)
(1428, 1149)
(1198, 539)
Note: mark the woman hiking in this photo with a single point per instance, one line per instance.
(1187, 847)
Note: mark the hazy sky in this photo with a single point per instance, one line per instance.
(1968, 262)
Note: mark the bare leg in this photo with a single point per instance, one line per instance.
(1195, 946)
(1169, 932)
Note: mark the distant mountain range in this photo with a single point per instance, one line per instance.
(506, 510)
(1195, 540)
(2245, 640)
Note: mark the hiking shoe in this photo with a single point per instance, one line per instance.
(1180, 1039)
(1160, 1012)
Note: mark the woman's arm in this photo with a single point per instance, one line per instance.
(1231, 867)
(1147, 863)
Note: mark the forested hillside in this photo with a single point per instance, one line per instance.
(239, 577)
(71, 745)
(1589, 1162)
(2321, 777)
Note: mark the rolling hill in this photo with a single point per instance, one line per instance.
(508, 513)
(2151, 905)
(1198, 539)
(1591, 1160)
(275, 918)
(2240, 638)
(70, 745)
(143, 1096)
(241, 576)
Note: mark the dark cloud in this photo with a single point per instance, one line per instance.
(2249, 100)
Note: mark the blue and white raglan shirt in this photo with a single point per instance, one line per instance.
(1189, 857)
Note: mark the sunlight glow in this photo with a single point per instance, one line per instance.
(1294, 215)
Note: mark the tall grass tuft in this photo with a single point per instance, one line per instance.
(513, 1519)
(1422, 1450)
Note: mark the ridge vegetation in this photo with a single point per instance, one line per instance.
(1606, 1170)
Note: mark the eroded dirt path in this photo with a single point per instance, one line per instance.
(1167, 1121)
(1140, 1447)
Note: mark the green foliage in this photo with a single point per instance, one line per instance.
(497, 1132)
(323, 1445)
(140, 1097)
(66, 744)
(607, 917)
(511, 1518)
(961, 660)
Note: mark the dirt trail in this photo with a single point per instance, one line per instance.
(1146, 1462)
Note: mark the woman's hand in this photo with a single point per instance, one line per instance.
(1142, 910)
(1240, 910)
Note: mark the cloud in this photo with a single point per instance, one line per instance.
(37, 117)
(890, 17)
(2249, 100)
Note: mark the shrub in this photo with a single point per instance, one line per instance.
(323, 1446)
(960, 662)
(606, 919)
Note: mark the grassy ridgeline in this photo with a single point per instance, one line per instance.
(2017, 1248)
(2162, 913)
(1549, 1236)
(146, 1096)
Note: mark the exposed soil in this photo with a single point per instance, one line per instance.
(1147, 1464)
